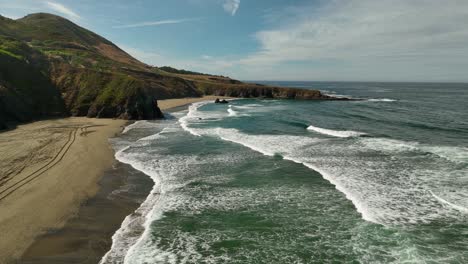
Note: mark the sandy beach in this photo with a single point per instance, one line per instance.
(47, 169)
(51, 183)
(169, 104)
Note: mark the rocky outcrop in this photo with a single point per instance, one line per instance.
(157, 113)
(261, 91)
(217, 101)
(115, 95)
(135, 109)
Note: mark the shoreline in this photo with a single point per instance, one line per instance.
(85, 234)
(179, 104)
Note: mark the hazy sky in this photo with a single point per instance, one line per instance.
(376, 40)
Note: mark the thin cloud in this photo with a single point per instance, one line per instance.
(156, 23)
(231, 6)
(62, 9)
(368, 39)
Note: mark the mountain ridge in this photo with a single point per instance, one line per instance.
(47, 56)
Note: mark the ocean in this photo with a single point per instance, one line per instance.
(380, 180)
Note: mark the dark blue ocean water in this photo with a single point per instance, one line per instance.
(380, 180)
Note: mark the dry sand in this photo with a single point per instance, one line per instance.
(173, 103)
(47, 170)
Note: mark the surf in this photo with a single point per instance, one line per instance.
(259, 144)
(336, 133)
(451, 205)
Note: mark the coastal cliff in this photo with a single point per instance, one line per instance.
(50, 66)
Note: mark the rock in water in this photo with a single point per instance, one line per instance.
(157, 113)
(217, 101)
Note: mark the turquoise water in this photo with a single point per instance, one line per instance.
(381, 180)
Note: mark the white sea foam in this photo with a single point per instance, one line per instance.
(454, 154)
(339, 95)
(248, 106)
(327, 92)
(288, 147)
(193, 114)
(450, 153)
(278, 145)
(387, 187)
(139, 124)
(381, 100)
(363, 181)
(168, 129)
(400, 199)
(130, 241)
(335, 133)
(452, 205)
(360, 207)
(134, 225)
(232, 112)
(389, 145)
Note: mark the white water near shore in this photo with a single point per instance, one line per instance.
(371, 195)
(389, 182)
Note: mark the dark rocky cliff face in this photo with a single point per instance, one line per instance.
(26, 93)
(127, 95)
(245, 90)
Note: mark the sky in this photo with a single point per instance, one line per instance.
(303, 40)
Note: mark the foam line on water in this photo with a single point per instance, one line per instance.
(139, 124)
(248, 106)
(450, 153)
(366, 215)
(454, 154)
(192, 114)
(335, 133)
(381, 100)
(363, 181)
(254, 142)
(335, 95)
(124, 240)
(447, 203)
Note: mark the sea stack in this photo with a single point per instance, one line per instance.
(217, 101)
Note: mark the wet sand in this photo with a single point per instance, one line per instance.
(87, 237)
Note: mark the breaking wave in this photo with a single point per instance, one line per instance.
(336, 133)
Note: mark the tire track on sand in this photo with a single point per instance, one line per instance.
(35, 174)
